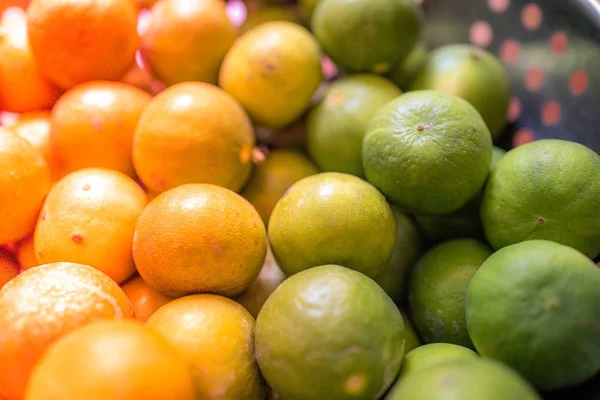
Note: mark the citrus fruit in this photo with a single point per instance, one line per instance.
(366, 35)
(269, 279)
(272, 177)
(93, 126)
(409, 247)
(473, 74)
(336, 127)
(44, 303)
(130, 362)
(428, 152)
(139, 76)
(144, 299)
(548, 189)
(199, 238)
(215, 335)
(187, 40)
(78, 41)
(329, 333)
(405, 71)
(437, 290)
(332, 218)
(193, 132)
(8, 267)
(412, 339)
(497, 154)
(428, 355)
(273, 70)
(22, 87)
(553, 341)
(464, 380)
(26, 253)
(89, 217)
(307, 8)
(25, 181)
(261, 15)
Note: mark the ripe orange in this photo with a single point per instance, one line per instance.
(25, 180)
(145, 300)
(4, 4)
(216, 337)
(42, 304)
(138, 77)
(8, 267)
(89, 217)
(199, 238)
(26, 253)
(110, 360)
(193, 132)
(187, 40)
(22, 87)
(78, 41)
(93, 126)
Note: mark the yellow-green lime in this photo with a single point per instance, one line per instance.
(428, 355)
(412, 339)
(405, 71)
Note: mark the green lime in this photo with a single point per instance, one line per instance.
(405, 71)
(336, 127)
(269, 279)
(429, 152)
(307, 8)
(535, 306)
(329, 333)
(366, 35)
(273, 176)
(473, 74)
(497, 154)
(431, 354)
(261, 15)
(437, 290)
(548, 189)
(408, 249)
(332, 218)
(412, 340)
(464, 380)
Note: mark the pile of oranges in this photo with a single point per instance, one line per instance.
(120, 163)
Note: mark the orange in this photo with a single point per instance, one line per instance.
(22, 86)
(216, 337)
(145, 300)
(110, 360)
(78, 41)
(187, 40)
(25, 180)
(93, 126)
(35, 128)
(26, 253)
(8, 267)
(138, 77)
(44, 303)
(4, 4)
(89, 217)
(199, 238)
(193, 132)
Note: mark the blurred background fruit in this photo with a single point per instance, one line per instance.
(9, 268)
(144, 299)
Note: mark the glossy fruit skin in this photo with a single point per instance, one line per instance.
(273, 70)
(75, 42)
(464, 380)
(44, 303)
(25, 181)
(438, 286)
(427, 142)
(337, 125)
(22, 87)
(561, 288)
(332, 218)
(93, 126)
(549, 190)
(272, 177)
(144, 299)
(374, 34)
(193, 132)
(187, 41)
(130, 362)
(333, 327)
(89, 217)
(473, 74)
(429, 355)
(215, 335)
(199, 238)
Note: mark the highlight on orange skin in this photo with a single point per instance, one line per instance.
(145, 300)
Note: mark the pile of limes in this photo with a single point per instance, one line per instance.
(271, 199)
